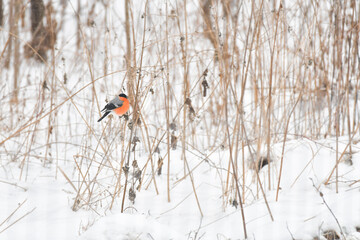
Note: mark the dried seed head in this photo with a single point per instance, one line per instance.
(205, 87)
(160, 164)
(173, 142)
(135, 140)
(130, 125)
(137, 174)
(173, 126)
(134, 164)
(192, 114)
(205, 72)
(138, 121)
(235, 203)
(132, 195)
(126, 169)
(65, 78)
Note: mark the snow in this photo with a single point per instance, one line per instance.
(64, 185)
(299, 210)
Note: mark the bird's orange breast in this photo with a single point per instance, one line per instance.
(124, 108)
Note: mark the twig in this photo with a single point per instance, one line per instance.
(283, 146)
(68, 179)
(197, 231)
(14, 184)
(17, 219)
(332, 213)
(292, 237)
(13, 212)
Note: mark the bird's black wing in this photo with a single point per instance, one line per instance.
(115, 103)
(110, 106)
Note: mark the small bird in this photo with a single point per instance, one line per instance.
(119, 105)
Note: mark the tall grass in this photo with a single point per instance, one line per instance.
(203, 76)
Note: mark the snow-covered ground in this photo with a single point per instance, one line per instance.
(40, 208)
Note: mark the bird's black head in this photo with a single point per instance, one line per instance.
(123, 95)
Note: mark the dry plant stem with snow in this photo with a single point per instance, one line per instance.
(235, 106)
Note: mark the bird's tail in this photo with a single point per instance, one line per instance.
(105, 114)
